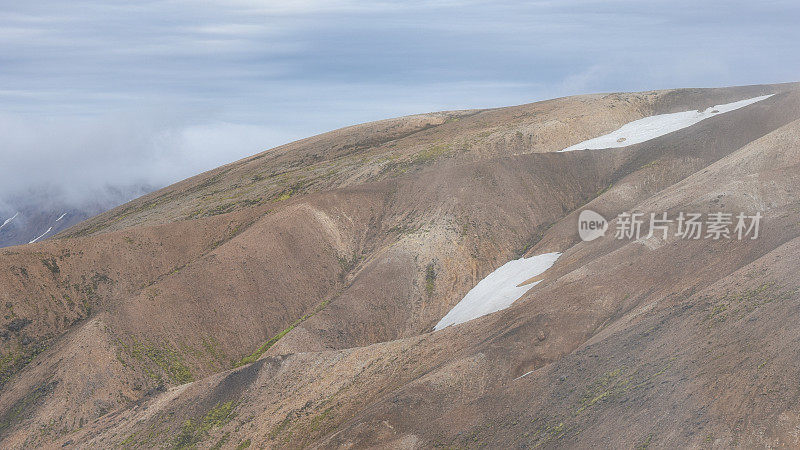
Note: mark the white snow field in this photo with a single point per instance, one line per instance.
(36, 239)
(499, 289)
(8, 221)
(654, 126)
(61, 217)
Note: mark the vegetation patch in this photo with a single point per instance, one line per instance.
(422, 157)
(736, 305)
(646, 443)
(430, 154)
(253, 357)
(404, 229)
(317, 421)
(194, 431)
(127, 211)
(616, 383)
(88, 287)
(14, 360)
(297, 187)
(347, 264)
(605, 386)
(211, 180)
(211, 346)
(52, 266)
(280, 427)
(533, 240)
(604, 190)
(222, 441)
(15, 412)
(240, 227)
(546, 432)
(231, 206)
(550, 432)
(430, 279)
(167, 359)
(222, 209)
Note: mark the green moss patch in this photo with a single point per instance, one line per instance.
(194, 431)
(274, 339)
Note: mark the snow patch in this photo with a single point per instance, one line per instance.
(61, 217)
(36, 239)
(655, 126)
(8, 221)
(499, 289)
(523, 375)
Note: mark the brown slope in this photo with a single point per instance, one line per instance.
(223, 284)
(509, 340)
(204, 315)
(662, 335)
(455, 382)
(448, 228)
(389, 148)
(162, 331)
(231, 287)
(652, 167)
(51, 286)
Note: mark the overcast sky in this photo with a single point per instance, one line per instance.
(97, 92)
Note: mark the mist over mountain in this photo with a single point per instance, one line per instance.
(81, 155)
(41, 213)
(87, 165)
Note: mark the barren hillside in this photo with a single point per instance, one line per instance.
(289, 299)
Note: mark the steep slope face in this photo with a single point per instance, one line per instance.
(193, 318)
(321, 268)
(681, 346)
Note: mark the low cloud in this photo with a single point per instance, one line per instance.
(81, 157)
(98, 93)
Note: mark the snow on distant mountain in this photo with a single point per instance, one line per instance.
(39, 214)
(7, 221)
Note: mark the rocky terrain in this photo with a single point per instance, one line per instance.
(290, 299)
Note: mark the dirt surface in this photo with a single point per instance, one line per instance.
(288, 299)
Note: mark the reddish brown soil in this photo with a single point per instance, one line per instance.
(288, 299)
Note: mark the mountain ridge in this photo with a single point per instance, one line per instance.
(329, 285)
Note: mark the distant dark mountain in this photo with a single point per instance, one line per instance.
(41, 213)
